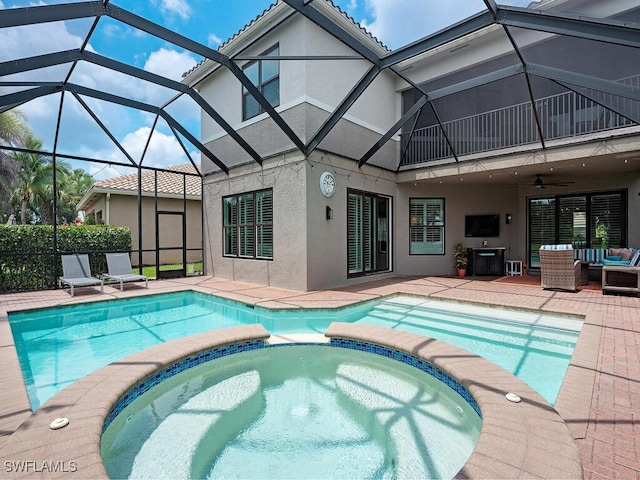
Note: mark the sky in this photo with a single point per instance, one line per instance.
(209, 22)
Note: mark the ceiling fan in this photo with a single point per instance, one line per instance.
(540, 183)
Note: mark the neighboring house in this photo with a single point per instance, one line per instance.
(492, 120)
(114, 201)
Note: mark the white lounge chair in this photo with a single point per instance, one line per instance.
(120, 270)
(76, 272)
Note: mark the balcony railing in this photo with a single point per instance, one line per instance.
(561, 116)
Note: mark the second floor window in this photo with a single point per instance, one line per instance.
(265, 75)
(248, 225)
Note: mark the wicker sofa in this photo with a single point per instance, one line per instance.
(559, 270)
(596, 258)
(622, 278)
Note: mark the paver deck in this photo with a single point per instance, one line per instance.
(608, 437)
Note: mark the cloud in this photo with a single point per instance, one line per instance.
(42, 112)
(213, 40)
(32, 40)
(163, 151)
(177, 7)
(169, 63)
(399, 22)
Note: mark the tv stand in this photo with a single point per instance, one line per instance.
(486, 261)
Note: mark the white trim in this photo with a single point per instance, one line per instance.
(294, 103)
(108, 209)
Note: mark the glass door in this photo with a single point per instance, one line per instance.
(368, 237)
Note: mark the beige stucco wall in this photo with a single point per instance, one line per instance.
(286, 176)
(123, 212)
(327, 239)
(460, 200)
(304, 85)
(310, 252)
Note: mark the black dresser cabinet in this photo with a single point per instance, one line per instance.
(486, 261)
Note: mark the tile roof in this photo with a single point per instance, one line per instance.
(168, 183)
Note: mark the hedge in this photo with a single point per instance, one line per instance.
(27, 256)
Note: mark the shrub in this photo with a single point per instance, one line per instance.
(27, 255)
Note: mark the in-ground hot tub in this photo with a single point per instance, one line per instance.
(294, 411)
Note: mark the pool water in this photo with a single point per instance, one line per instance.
(535, 347)
(294, 412)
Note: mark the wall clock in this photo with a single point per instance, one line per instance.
(327, 184)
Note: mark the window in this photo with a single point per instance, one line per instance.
(591, 220)
(248, 225)
(368, 220)
(265, 75)
(426, 226)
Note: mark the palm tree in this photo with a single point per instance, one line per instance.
(75, 185)
(66, 196)
(33, 176)
(13, 130)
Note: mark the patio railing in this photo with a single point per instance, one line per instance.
(561, 116)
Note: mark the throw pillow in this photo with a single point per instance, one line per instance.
(615, 258)
(627, 254)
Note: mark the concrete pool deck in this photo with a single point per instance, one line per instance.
(603, 418)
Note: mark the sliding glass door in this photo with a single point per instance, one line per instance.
(589, 220)
(368, 233)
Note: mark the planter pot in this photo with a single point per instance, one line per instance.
(462, 272)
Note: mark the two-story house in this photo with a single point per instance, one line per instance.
(513, 128)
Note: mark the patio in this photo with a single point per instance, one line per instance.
(610, 447)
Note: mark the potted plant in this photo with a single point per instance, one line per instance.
(461, 258)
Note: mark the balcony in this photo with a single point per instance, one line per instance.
(564, 115)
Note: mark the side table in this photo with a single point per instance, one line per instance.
(514, 267)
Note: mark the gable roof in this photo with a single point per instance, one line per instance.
(272, 10)
(169, 185)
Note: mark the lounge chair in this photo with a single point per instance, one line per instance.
(76, 272)
(120, 270)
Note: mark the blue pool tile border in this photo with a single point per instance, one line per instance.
(178, 367)
(416, 362)
(336, 342)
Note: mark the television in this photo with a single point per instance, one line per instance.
(482, 225)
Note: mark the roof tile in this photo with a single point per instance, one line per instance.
(168, 183)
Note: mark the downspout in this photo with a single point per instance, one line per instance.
(107, 219)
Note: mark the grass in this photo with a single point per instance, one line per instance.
(150, 270)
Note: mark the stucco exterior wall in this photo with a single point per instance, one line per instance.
(314, 82)
(327, 239)
(310, 251)
(460, 200)
(286, 176)
(123, 212)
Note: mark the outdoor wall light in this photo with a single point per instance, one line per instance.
(507, 218)
(329, 213)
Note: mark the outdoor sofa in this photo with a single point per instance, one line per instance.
(622, 277)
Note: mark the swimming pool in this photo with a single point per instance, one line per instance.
(275, 412)
(535, 347)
